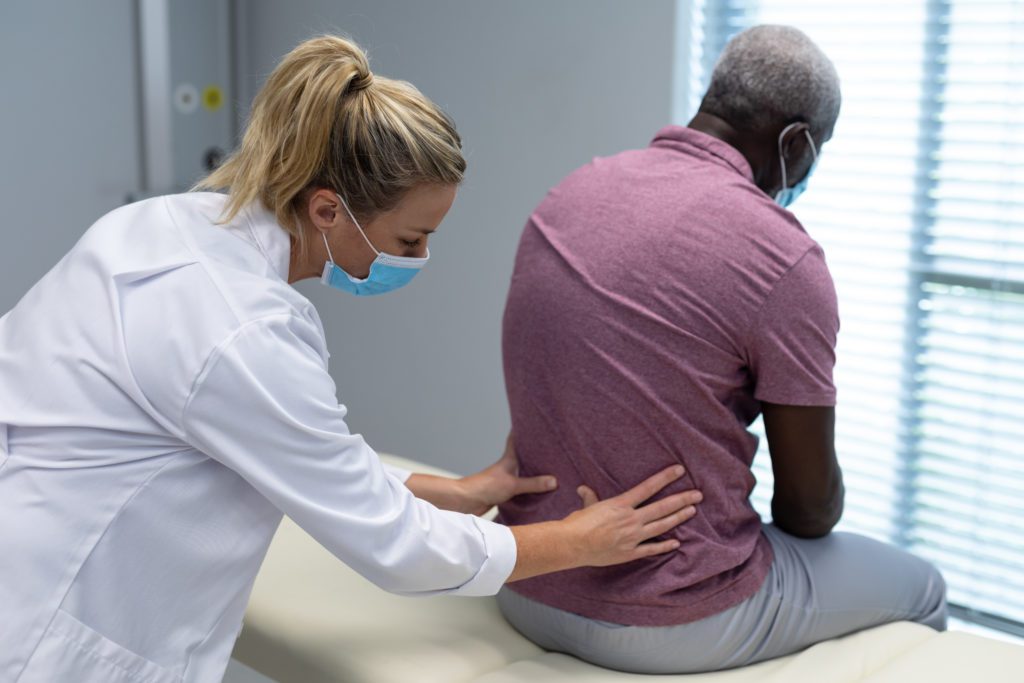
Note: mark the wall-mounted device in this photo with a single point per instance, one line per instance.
(187, 90)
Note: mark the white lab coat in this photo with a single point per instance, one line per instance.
(164, 397)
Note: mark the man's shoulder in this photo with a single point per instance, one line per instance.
(762, 230)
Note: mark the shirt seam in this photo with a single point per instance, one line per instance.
(191, 657)
(200, 258)
(811, 400)
(250, 221)
(85, 649)
(740, 581)
(99, 539)
(756, 321)
(745, 574)
(217, 353)
(744, 170)
(491, 554)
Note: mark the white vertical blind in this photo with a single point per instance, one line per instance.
(919, 204)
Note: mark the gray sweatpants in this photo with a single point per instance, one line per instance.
(816, 589)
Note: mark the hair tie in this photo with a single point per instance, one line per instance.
(361, 82)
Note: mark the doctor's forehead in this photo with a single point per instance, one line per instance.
(424, 207)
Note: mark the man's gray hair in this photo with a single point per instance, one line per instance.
(772, 75)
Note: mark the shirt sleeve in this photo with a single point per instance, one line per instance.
(792, 342)
(265, 406)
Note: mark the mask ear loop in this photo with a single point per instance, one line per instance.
(810, 141)
(358, 227)
(782, 161)
(329, 255)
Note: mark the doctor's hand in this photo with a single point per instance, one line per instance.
(478, 493)
(618, 529)
(606, 532)
(500, 482)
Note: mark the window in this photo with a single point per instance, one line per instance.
(919, 204)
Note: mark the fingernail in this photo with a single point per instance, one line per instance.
(699, 497)
(675, 544)
(678, 470)
(550, 483)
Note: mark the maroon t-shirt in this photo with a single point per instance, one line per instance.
(658, 297)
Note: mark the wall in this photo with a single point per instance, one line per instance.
(537, 88)
(69, 138)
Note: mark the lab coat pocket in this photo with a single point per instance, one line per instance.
(71, 651)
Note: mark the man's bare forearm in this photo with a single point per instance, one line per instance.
(811, 520)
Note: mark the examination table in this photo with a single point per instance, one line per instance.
(313, 620)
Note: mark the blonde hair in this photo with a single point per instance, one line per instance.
(323, 120)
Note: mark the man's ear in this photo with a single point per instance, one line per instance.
(794, 142)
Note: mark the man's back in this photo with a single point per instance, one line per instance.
(658, 297)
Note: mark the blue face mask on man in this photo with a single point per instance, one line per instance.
(787, 195)
(387, 272)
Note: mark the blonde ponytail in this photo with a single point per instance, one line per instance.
(323, 119)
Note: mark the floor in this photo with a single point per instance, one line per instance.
(240, 673)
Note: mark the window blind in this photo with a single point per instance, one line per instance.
(918, 202)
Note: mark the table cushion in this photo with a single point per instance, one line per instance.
(955, 657)
(313, 620)
(844, 660)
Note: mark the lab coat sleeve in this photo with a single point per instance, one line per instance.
(265, 406)
(399, 473)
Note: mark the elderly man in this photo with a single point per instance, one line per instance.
(661, 300)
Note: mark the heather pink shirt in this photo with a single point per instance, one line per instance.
(658, 297)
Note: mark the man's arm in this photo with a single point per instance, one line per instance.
(808, 496)
(791, 356)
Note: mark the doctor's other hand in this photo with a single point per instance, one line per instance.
(606, 532)
(500, 482)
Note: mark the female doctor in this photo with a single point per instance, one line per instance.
(164, 398)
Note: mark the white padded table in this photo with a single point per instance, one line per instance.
(313, 620)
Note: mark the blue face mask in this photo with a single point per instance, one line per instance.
(787, 195)
(387, 272)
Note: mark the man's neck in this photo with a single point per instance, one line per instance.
(746, 144)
